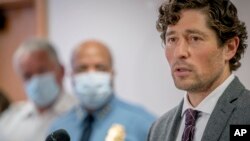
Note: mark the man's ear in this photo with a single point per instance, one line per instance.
(231, 48)
(59, 74)
(112, 77)
(62, 70)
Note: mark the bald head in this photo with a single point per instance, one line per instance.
(91, 55)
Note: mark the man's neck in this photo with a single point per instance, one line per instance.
(196, 97)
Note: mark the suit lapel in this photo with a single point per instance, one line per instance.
(175, 124)
(222, 111)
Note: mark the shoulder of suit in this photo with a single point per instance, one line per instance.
(244, 99)
(166, 118)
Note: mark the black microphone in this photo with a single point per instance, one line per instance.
(58, 135)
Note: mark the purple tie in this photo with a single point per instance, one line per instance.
(191, 116)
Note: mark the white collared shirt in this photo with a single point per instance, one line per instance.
(22, 121)
(205, 107)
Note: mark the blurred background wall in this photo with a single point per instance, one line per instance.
(19, 20)
(128, 27)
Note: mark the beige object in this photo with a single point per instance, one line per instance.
(116, 133)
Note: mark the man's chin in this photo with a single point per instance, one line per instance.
(183, 86)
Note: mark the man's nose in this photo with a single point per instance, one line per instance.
(182, 49)
(91, 69)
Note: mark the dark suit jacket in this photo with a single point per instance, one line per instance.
(233, 107)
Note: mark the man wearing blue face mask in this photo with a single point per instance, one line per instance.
(100, 116)
(42, 74)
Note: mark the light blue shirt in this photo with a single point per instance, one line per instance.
(135, 120)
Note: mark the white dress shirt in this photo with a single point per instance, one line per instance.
(205, 107)
(22, 121)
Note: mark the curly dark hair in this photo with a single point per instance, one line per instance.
(222, 18)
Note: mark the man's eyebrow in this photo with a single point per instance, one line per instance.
(194, 31)
(170, 33)
(188, 31)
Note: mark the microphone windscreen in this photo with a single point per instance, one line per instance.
(58, 135)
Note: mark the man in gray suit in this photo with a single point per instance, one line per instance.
(204, 42)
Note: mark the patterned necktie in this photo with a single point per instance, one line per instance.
(191, 116)
(87, 127)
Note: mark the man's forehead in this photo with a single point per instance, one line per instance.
(91, 51)
(37, 54)
(191, 21)
(39, 57)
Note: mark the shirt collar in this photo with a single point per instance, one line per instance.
(207, 105)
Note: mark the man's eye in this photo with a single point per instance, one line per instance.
(80, 69)
(101, 68)
(171, 40)
(195, 38)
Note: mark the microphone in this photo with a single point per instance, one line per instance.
(58, 135)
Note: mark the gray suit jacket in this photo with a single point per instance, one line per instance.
(233, 107)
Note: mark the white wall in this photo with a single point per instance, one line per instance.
(243, 72)
(128, 27)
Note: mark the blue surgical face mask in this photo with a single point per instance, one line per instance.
(92, 89)
(42, 89)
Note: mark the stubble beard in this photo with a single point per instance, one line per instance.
(196, 83)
